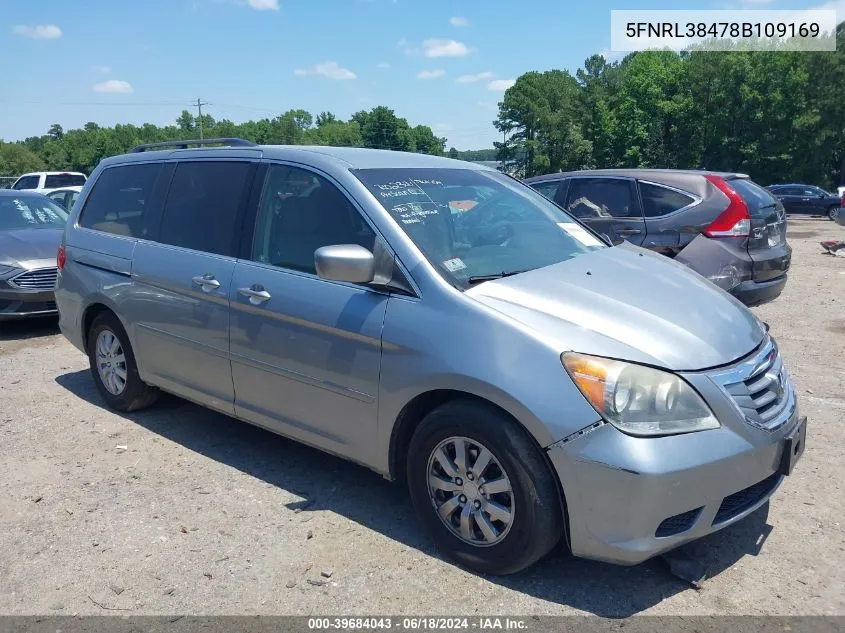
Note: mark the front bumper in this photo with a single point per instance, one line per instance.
(631, 498)
(21, 304)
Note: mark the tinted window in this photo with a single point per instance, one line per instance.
(27, 182)
(202, 206)
(55, 181)
(301, 212)
(29, 211)
(591, 198)
(119, 202)
(659, 200)
(548, 189)
(759, 201)
(503, 226)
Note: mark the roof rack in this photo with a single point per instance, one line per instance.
(229, 142)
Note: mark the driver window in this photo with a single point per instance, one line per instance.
(300, 212)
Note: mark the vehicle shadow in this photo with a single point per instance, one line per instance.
(17, 334)
(330, 483)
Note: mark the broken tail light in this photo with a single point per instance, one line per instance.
(735, 221)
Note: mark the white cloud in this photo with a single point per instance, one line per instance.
(471, 79)
(445, 48)
(114, 86)
(39, 31)
(263, 5)
(500, 85)
(383, 65)
(456, 21)
(103, 69)
(430, 74)
(331, 70)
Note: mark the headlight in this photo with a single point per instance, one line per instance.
(639, 400)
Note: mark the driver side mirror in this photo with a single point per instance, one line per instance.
(345, 262)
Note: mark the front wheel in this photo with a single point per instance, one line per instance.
(833, 213)
(483, 489)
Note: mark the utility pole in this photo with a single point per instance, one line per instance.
(200, 104)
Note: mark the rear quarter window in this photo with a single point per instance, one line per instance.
(120, 201)
(659, 200)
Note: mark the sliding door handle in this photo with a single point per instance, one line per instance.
(256, 294)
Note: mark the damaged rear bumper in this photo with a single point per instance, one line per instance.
(753, 293)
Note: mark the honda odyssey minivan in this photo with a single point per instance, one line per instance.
(442, 324)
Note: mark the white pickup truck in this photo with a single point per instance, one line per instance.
(47, 181)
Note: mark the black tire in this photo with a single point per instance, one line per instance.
(537, 524)
(136, 394)
(833, 213)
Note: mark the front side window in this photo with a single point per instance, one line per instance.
(659, 201)
(26, 182)
(593, 198)
(203, 205)
(56, 181)
(472, 225)
(119, 202)
(300, 212)
(29, 211)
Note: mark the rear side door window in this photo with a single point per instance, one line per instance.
(608, 205)
(120, 201)
(203, 206)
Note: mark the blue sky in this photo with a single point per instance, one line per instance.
(444, 63)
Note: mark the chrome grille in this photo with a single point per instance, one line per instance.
(41, 279)
(761, 388)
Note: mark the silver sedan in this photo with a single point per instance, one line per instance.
(30, 231)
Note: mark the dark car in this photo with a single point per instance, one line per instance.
(807, 200)
(722, 225)
(30, 232)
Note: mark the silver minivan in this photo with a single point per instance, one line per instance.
(442, 324)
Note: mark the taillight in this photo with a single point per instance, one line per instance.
(61, 257)
(733, 221)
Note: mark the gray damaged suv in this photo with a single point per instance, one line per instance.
(442, 324)
(722, 225)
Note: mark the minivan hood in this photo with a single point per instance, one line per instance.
(631, 304)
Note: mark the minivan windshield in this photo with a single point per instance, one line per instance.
(30, 212)
(477, 225)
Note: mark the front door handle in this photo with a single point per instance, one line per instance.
(257, 295)
(207, 282)
(626, 232)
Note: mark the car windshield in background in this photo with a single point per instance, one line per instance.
(477, 225)
(30, 212)
(759, 200)
(57, 181)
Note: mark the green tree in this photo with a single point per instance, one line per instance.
(17, 159)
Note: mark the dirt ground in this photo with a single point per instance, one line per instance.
(179, 510)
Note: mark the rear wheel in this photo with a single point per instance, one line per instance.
(833, 213)
(113, 366)
(483, 488)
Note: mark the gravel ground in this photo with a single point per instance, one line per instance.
(180, 510)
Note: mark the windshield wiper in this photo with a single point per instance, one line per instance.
(477, 279)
